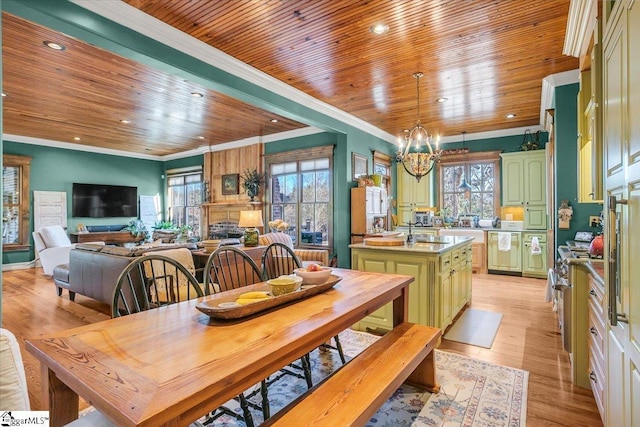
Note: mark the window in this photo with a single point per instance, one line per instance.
(301, 194)
(15, 202)
(480, 171)
(185, 189)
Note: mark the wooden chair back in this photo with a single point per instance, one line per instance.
(279, 259)
(229, 268)
(151, 281)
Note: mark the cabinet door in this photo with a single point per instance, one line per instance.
(504, 260)
(445, 300)
(535, 217)
(535, 178)
(512, 177)
(534, 265)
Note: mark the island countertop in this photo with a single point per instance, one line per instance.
(424, 244)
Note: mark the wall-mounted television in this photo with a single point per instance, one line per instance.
(104, 201)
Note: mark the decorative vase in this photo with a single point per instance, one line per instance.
(252, 192)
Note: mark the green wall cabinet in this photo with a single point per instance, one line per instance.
(410, 191)
(524, 183)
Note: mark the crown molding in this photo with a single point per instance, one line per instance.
(549, 85)
(581, 23)
(489, 135)
(202, 150)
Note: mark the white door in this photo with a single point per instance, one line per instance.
(49, 208)
(621, 108)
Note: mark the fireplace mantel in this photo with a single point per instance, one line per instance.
(216, 212)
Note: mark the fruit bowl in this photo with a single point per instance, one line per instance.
(284, 285)
(310, 277)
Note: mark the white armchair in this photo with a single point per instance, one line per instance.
(52, 247)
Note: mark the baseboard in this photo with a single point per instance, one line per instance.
(18, 266)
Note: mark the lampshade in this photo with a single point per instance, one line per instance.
(250, 219)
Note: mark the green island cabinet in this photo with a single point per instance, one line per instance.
(442, 285)
(524, 183)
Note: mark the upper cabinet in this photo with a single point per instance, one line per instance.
(524, 183)
(412, 193)
(15, 202)
(589, 138)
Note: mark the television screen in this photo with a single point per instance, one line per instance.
(104, 201)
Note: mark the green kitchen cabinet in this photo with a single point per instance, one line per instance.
(504, 260)
(534, 263)
(412, 194)
(524, 183)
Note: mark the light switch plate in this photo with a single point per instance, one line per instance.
(594, 221)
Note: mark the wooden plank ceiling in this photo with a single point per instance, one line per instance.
(487, 58)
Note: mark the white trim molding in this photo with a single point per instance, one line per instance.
(581, 23)
(549, 84)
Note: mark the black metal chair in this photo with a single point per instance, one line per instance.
(153, 281)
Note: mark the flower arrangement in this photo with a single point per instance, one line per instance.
(278, 225)
(251, 181)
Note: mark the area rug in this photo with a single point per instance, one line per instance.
(473, 393)
(475, 327)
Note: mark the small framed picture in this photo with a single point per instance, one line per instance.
(438, 221)
(359, 166)
(464, 222)
(230, 184)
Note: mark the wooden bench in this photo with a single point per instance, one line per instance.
(354, 393)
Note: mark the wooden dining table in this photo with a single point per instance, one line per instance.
(172, 365)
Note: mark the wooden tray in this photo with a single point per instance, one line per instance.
(211, 307)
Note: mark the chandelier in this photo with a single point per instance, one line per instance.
(415, 151)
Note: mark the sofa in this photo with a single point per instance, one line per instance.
(93, 269)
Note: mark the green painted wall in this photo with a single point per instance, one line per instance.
(566, 169)
(56, 169)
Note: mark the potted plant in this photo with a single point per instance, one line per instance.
(251, 181)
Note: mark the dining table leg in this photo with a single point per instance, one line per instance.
(401, 307)
(63, 402)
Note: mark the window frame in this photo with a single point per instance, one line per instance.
(184, 172)
(470, 158)
(300, 156)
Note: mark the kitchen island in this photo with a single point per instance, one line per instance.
(441, 266)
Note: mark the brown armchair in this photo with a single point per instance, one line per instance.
(318, 256)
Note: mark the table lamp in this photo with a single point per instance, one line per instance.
(249, 220)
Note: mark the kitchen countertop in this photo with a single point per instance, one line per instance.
(438, 245)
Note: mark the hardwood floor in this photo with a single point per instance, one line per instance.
(527, 339)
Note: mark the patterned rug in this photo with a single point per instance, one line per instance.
(473, 393)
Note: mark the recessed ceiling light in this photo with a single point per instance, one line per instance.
(125, 121)
(4, 94)
(200, 137)
(53, 45)
(197, 94)
(441, 100)
(379, 28)
(510, 116)
(76, 138)
(274, 120)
